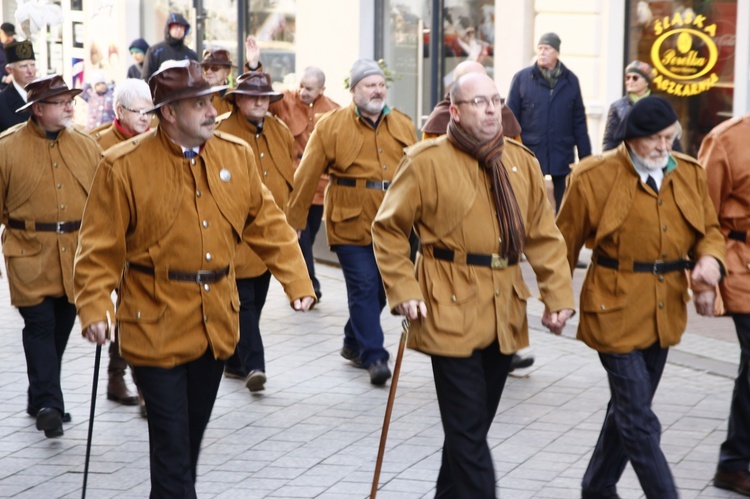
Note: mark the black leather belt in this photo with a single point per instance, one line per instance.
(59, 227)
(657, 267)
(369, 184)
(493, 261)
(201, 277)
(737, 235)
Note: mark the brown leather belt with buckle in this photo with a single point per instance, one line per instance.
(657, 267)
(369, 184)
(59, 227)
(737, 235)
(200, 277)
(493, 261)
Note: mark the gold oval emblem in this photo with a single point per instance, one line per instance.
(684, 42)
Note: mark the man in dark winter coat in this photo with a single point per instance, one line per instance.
(22, 67)
(546, 99)
(172, 48)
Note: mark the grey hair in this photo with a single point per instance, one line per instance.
(315, 73)
(129, 90)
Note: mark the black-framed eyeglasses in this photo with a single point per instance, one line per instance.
(481, 102)
(61, 103)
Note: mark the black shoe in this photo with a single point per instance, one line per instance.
(518, 362)
(231, 373)
(50, 420)
(33, 412)
(737, 481)
(379, 372)
(353, 357)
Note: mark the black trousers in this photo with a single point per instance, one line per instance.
(46, 331)
(735, 451)
(631, 430)
(468, 393)
(307, 239)
(558, 189)
(179, 401)
(249, 354)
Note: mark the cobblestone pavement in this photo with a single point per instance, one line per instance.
(314, 431)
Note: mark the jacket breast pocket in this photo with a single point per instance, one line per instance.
(454, 304)
(22, 257)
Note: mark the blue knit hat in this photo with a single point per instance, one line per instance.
(139, 44)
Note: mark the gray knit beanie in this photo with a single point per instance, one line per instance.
(362, 68)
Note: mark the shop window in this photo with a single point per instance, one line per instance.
(273, 23)
(691, 45)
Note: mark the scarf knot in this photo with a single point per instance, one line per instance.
(489, 155)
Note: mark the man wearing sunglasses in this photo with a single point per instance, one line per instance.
(638, 76)
(46, 169)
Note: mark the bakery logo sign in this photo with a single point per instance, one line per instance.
(684, 54)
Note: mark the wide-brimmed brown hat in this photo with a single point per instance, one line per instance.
(177, 80)
(45, 88)
(216, 57)
(254, 83)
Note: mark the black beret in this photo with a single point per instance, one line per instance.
(648, 116)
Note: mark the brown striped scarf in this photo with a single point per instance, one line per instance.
(489, 156)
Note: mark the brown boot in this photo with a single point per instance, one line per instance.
(117, 390)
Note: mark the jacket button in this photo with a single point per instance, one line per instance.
(197, 194)
(207, 287)
(453, 298)
(205, 318)
(661, 278)
(604, 307)
(59, 186)
(54, 165)
(62, 206)
(265, 174)
(497, 292)
(209, 257)
(660, 202)
(63, 249)
(138, 315)
(661, 304)
(664, 228)
(205, 224)
(262, 155)
(23, 252)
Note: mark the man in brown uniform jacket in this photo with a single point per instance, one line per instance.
(273, 148)
(724, 153)
(169, 210)
(647, 216)
(132, 97)
(359, 147)
(46, 169)
(467, 301)
(300, 110)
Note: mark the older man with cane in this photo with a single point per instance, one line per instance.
(477, 202)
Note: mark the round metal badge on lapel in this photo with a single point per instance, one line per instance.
(225, 175)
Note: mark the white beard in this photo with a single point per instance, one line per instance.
(654, 161)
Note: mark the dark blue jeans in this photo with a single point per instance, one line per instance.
(468, 392)
(249, 354)
(46, 331)
(307, 239)
(631, 430)
(735, 451)
(179, 401)
(366, 296)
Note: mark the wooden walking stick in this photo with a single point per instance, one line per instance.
(389, 407)
(97, 361)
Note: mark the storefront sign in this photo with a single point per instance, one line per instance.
(684, 54)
